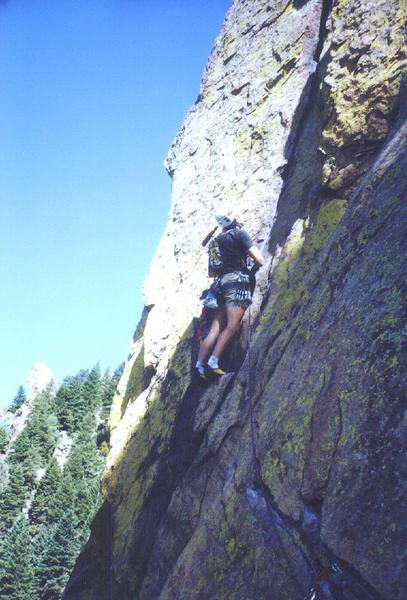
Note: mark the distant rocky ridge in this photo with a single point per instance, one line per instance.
(284, 482)
(38, 378)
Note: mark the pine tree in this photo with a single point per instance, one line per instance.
(64, 499)
(19, 399)
(84, 467)
(63, 407)
(77, 403)
(43, 434)
(17, 579)
(108, 390)
(84, 461)
(70, 404)
(42, 424)
(22, 453)
(119, 371)
(109, 385)
(4, 471)
(39, 545)
(3, 440)
(44, 507)
(82, 375)
(34, 446)
(86, 432)
(13, 499)
(91, 390)
(58, 557)
(85, 507)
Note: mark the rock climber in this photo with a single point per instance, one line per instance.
(234, 283)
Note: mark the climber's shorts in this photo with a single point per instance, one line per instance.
(235, 289)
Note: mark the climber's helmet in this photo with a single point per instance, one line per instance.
(227, 218)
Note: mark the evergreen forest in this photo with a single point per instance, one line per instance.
(49, 481)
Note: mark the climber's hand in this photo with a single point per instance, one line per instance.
(256, 255)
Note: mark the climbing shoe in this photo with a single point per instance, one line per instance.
(201, 374)
(218, 372)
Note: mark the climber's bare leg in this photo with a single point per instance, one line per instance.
(218, 323)
(234, 316)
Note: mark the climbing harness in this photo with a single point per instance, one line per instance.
(212, 298)
(243, 290)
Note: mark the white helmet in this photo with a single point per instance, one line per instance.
(226, 218)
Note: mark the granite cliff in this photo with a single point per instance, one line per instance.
(285, 481)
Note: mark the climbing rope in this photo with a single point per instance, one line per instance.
(249, 396)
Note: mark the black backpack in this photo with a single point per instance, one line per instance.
(216, 261)
(215, 258)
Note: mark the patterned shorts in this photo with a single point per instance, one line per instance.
(235, 289)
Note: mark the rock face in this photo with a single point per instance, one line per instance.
(284, 482)
(39, 376)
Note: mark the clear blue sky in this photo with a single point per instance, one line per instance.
(92, 94)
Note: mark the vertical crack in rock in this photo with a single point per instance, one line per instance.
(341, 580)
(301, 172)
(207, 479)
(309, 94)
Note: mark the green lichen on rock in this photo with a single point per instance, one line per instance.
(364, 79)
(135, 384)
(360, 87)
(290, 275)
(327, 219)
(180, 362)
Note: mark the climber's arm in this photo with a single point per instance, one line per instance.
(256, 255)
